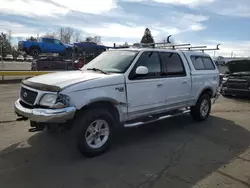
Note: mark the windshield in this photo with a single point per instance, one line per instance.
(117, 61)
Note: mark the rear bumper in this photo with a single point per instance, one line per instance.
(236, 92)
(45, 115)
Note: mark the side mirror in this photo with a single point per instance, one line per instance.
(141, 70)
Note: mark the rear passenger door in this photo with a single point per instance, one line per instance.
(177, 80)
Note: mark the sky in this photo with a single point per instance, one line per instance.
(198, 22)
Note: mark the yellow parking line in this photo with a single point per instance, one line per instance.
(23, 73)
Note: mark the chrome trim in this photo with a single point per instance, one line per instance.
(154, 120)
(45, 115)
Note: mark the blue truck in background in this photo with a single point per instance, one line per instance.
(45, 45)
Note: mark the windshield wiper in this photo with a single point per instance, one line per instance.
(96, 69)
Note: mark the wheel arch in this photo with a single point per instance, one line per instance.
(207, 90)
(107, 103)
(34, 46)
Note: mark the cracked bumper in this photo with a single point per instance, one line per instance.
(45, 115)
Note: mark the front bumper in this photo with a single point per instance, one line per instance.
(45, 115)
(236, 92)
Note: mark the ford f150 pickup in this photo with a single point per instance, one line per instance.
(45, 45)
(120, 88)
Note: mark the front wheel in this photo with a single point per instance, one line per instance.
(94, 131)
(202, 109)
(35, 51)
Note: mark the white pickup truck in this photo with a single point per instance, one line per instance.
(124, 87)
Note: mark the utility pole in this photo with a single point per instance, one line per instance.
(1, 43)
(61, 33)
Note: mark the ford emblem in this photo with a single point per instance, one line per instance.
(25, 94)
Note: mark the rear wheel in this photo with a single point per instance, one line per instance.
(202, 109)
(93, 132)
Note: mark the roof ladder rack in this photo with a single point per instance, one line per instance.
(168, 44)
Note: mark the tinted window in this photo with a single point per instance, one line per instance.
(151, 61)
(57, 42)
(48, 40)
(198, 63)
(173, 63)
(208, 63)
(202, 63)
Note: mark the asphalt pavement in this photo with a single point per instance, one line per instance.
(176, 153)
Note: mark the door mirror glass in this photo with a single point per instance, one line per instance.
(141, 70)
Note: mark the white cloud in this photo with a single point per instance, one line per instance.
(176, 2)
(50, 8)
(30, 8)
(19, 30)
(118, 30)
(88, 6)
(239, 8)
(197, 27)
(184, 2)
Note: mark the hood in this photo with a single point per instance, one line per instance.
(239, 66)
(62, 79)
(69, 45)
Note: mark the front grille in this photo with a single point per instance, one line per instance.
(28, 96)
(237, 84)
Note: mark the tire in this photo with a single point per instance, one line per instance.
(35, 51)
(196, 111)
(68, 53)
(82, 129)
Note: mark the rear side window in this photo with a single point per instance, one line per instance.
(173, 63)
(49, 41)
(202, 63)
(209, 65)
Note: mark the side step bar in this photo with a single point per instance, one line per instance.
(154, 120)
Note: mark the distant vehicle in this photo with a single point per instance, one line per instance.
(20, 58)
(237, 80)
(29, 58)
(51, 63)
(45, 45)
(8, 57)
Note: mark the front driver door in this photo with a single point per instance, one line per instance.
(145, 94)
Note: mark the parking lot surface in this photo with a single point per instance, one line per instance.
(175, 153)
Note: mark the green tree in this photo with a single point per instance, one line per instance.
(147, 37)
(32, 39)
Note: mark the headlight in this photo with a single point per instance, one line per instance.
(224, 80)
(54, 100)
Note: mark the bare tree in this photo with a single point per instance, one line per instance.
(9, 35)
(77, 36)
(66, 34)
(95, 39)
(52, 35)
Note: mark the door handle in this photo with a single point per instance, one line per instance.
(159, 85)
(184, 82)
